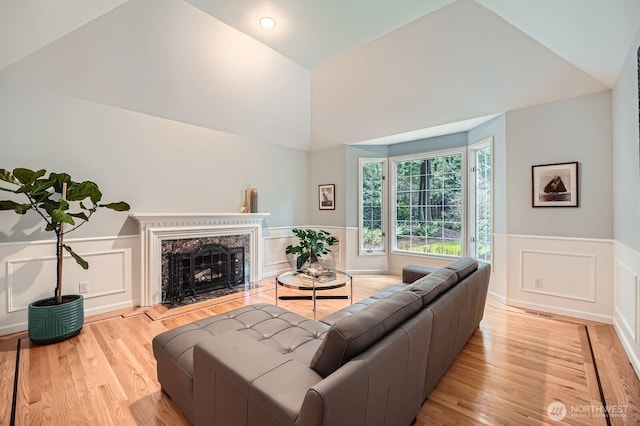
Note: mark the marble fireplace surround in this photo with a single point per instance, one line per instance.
(156, 227)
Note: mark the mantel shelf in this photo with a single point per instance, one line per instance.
(154, 217)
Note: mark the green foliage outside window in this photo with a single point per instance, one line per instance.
(372, 181)
(429, 205)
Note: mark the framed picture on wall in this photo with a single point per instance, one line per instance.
(554, 185)
(327, 197)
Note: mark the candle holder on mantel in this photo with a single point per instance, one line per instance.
(253, 203)
(245, 203)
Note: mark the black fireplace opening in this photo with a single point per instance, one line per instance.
(203, 269)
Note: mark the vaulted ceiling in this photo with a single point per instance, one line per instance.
(473, 58)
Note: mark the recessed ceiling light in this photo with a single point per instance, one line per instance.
(267, 22)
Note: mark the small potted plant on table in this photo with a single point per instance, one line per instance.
(311, 245)
(59, 201)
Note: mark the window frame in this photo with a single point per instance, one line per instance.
(486, 142)
(393, 161)
(384, 208)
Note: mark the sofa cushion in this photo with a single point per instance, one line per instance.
(431, 286)
(463, 267)
(358, 306)
(354, 334)
(412, 273)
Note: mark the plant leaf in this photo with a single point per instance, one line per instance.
(58, 179)
(48, 205)
(60, 216)
(7, 176)
(24, 189)
(27, 176)
(12, 205)
(120, 206)
(22, 208)
(80, 215)
(40, 187)
(80, 191)
(79, 260)
(293, 250)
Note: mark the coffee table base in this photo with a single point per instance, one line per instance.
(291, 280)
(318, 297)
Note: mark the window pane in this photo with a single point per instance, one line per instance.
(371, 210)
(429, 205)
(483, 204)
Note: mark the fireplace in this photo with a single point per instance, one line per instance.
(158, 228)
(201, 265)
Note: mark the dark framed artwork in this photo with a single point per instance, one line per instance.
(554, 185)
(327, 197)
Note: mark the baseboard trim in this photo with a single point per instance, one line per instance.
(109, 308)
(497, 297)
(560, 311)
(370, 272)
(628, 346)
(23, 326)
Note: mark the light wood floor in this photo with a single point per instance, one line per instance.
(514, 366)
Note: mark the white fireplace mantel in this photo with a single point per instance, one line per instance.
(156, 227)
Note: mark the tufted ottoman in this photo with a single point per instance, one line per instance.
(290, 334)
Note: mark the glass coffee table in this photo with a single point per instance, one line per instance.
(292, 279)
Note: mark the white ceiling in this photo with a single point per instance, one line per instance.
(312, 32)
(131, 53)
(594, 35)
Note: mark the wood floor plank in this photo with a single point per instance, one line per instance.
(8, 354)
(515, 365)
(618, 379)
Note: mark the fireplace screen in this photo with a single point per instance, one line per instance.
(210, 267)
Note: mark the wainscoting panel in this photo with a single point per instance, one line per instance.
(626, 299)
(498, 281)
(626, 319)
(28, 271)
(274, 251)
(568, 275)
(565, 276)
(27, 279)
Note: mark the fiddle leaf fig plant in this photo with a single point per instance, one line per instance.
(64, 205)
(311, 244)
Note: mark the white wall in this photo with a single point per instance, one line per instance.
(328, 167)
(626, 199)
(155, 164)
(568, 250)
(576, 129)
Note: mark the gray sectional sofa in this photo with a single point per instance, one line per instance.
(371, 363)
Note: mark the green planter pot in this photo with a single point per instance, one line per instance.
(55, 323)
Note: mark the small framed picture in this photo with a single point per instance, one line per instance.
(327, 197)
(554, 185)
